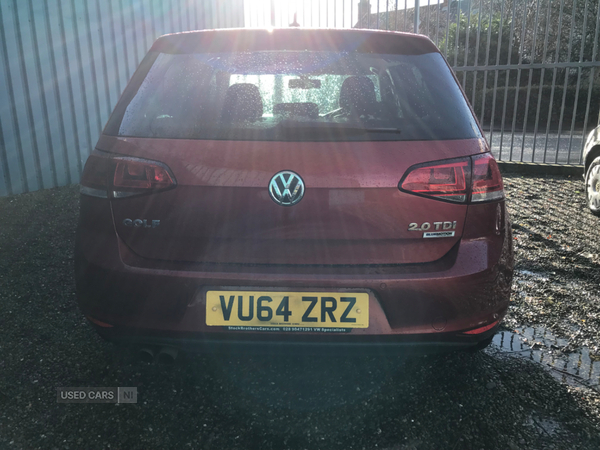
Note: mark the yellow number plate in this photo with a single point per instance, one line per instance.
(287, 309)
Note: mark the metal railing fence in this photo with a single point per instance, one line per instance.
(530, 68)
(63, 65)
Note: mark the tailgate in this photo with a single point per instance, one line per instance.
(352, 211)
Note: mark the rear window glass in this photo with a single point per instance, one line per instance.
(298, 95)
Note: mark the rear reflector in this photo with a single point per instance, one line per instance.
(476, 178)
(106, 176)
(99, 323)
(482, 329)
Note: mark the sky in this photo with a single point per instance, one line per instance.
(315, 13)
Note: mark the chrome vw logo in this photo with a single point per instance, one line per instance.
(286, 188)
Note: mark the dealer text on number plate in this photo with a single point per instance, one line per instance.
(289, 309)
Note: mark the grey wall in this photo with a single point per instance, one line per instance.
(63, 65)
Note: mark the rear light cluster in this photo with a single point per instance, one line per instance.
(472, 179)
(109, 176)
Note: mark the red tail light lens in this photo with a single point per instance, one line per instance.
(115, 176)
(453, 180)
(445, 180)
(136, 175)
(487, 181)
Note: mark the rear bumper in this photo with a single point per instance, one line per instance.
(298, 345)
(425, 307)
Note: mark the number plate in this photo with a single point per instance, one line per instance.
(287, 309)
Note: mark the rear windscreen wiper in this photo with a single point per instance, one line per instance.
(329, 126)
(367, 129)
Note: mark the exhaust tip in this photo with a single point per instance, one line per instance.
(146, 355)
(167, 355)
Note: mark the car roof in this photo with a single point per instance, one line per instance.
(315, 39)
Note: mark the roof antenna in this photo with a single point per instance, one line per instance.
(295, 22)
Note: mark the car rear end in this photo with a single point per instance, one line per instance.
(294, 189)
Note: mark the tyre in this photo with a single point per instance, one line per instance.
(592, 186)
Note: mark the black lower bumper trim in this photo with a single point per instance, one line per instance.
(343, 345)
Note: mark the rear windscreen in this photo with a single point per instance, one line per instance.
(297, 95)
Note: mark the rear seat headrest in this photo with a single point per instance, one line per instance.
(358, 95)
(242, 102)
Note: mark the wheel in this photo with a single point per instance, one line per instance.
(592, 186)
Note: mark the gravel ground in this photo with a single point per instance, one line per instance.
(490, 400)
(558, 259)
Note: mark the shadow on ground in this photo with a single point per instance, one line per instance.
(457, 401)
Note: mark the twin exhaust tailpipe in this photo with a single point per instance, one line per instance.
(161, 355)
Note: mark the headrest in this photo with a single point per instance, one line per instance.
(358, 95)
(242, 102)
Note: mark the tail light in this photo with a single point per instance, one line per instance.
(475, 179)
(487, 181)
(107, 176)
(446, 181)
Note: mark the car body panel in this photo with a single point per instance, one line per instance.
(406, 299)
(219, 229)
(352, 211)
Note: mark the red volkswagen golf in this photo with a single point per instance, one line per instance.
(294, 188)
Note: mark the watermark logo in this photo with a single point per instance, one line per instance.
(96, 394)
